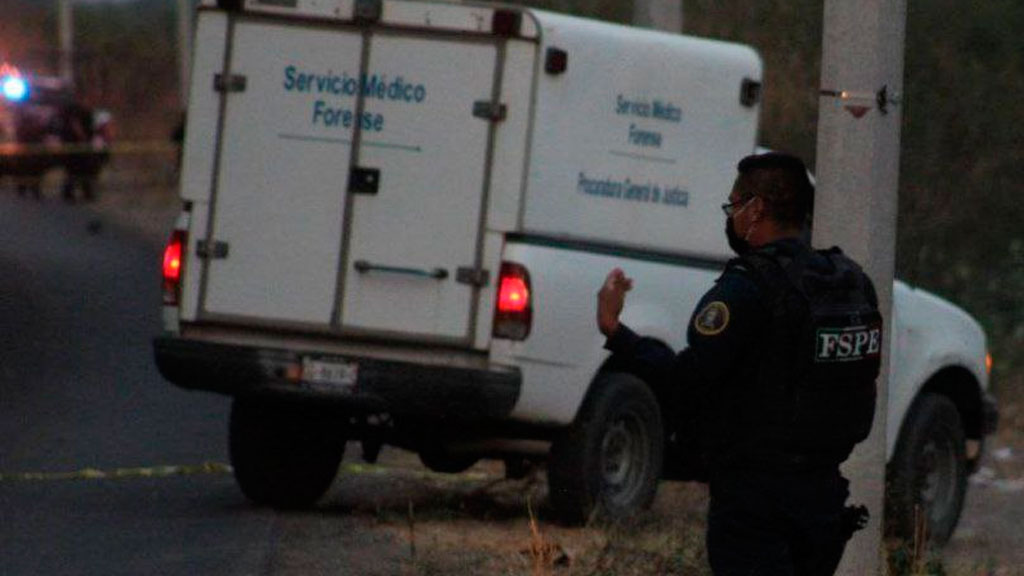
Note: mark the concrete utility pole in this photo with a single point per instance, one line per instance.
(65, 31)
(185, 16)
(855, 207)
(664, 15)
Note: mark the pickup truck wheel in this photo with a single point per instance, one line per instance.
(440, 460)
(928, 472)
(609, 460)
(283, 458)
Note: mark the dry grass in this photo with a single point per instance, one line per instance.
(913, 558)
(1010, 398)
(513, 537)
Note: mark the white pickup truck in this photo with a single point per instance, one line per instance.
(397, 215)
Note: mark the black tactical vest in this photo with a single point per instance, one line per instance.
(815, 393)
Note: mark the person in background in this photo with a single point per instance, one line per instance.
(86, 149)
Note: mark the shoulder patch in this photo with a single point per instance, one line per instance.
(712, 319)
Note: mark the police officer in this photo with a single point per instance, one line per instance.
(777, 384)
(82, 164)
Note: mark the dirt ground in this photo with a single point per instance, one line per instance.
(479, 523)
(989, 539)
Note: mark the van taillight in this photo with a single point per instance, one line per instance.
(513, 313)
(173, 255)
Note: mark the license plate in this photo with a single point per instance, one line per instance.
(332, 372)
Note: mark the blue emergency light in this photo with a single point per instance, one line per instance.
(14, 88)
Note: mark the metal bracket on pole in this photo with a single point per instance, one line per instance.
(882, 98)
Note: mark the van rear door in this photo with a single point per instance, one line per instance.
(346, 205)
(273, 246)
(408, 238)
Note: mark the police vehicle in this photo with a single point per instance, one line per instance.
(396, 217)
(28, 109)
(34, 131)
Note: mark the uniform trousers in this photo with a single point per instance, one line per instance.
(777, 523)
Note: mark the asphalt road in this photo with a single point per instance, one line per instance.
(105, 468)
(79, 391)
(79, 308)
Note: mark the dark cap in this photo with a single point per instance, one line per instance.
(779, 160)
(782, 180)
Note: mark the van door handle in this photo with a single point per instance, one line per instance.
(363, 267)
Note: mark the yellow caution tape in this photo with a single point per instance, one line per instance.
(358, 468)
(214, 468)
(94, 474)
(363, 469)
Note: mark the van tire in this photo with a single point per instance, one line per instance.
(928, 471)
(283, 457)
(608, 462)
(438, 459)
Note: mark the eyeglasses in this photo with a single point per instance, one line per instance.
(730, 207)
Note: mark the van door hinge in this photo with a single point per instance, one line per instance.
(368, 11)
(487, 110)
(229, 83)
(215, 250)
(478, 277)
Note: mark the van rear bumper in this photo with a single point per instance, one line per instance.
(395, 387)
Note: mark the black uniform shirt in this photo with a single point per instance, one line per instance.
(711, 379)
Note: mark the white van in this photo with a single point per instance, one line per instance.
(397, 215)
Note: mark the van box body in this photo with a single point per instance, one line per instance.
(379, 208)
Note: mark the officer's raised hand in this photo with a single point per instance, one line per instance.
(610, 300)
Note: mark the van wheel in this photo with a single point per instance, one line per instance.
(928, 472)
(438, 459)
(607, 464)
(285, 458)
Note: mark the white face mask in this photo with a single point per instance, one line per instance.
(738, 245)
(750, 229)
(744, 207)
